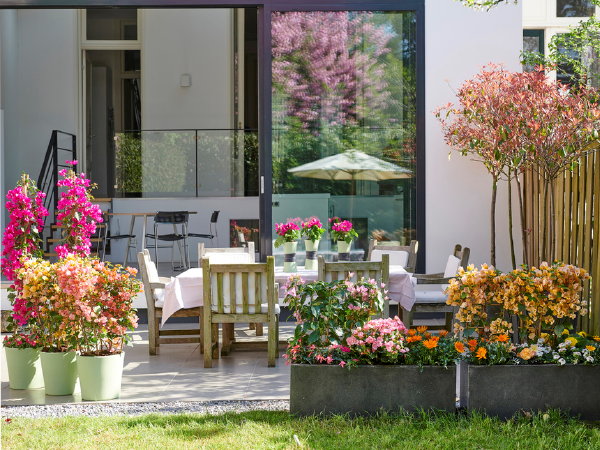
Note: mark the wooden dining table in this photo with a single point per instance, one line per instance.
(185, 290)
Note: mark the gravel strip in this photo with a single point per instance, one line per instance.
(136, 409)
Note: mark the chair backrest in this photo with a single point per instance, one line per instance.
(400, 255)
(460, 258)
(239, 288)
(232, 255)
(377, 270)
(149, 275)
(171, 217)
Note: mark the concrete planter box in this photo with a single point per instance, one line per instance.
(505, 390)
(362, 390)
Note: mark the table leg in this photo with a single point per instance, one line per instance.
(131, 225)
(143, 240)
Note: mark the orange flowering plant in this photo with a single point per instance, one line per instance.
(425, 348)
(483, 351)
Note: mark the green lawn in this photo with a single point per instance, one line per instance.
(263, 429)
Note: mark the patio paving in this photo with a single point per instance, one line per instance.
(177, 374)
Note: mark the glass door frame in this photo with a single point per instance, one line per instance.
(265, 9)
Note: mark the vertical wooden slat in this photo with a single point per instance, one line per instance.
(567, 217)
(535, 229)
(580, 210)
(559, 193)
(232, 293)
(220, 301)
(245, 292)
(257, 292)
(594, 326)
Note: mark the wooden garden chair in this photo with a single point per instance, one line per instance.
(235, 293)
(377, 270)
(429, 293)
(154, 291)
(400, 255)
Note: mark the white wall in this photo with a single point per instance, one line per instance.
(459, 41)
(40, 86)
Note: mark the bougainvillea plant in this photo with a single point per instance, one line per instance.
(77, 215)
(312, 229)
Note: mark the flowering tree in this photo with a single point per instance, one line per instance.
(512, 121)
(76, 213)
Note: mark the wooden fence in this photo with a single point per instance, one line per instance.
(577, 222)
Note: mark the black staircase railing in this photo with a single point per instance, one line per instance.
(62, 147)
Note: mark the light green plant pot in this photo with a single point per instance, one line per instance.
(24, 368)
(60, 372)
(100, 376)
(344, 250)
(311, 254)
(289, 256)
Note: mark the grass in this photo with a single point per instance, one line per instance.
(262, 429)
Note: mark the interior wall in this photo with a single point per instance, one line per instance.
(458, 190)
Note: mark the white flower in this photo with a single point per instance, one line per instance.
(589, 359)
(555, 355)
(577, 354)
(562, 361)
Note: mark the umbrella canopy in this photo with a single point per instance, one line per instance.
(351, 165)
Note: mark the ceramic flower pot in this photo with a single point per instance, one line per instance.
(311, 254)
(100, 376)
(24, 368)
(289, 256)
(344, 250)
(60, 372)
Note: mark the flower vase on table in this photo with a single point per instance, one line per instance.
(312, 230)
(343, 232)
(288, 235)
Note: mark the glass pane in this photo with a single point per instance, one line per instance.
(111, 24)
(188, 163)
(574, 8)
(533, 42)
(344, 102)
(565, 72)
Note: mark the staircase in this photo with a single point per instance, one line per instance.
(62, 147)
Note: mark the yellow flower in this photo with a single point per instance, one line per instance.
(582, 334)
(527, 353)
(565, 331)
(590, 348)
(596, 338)
(571, 341)
(544, 336)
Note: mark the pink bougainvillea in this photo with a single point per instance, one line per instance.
(26, 218)
(76, 213)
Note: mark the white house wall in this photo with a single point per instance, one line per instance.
(39, 85)
(459, 41)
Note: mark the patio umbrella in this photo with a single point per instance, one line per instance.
(351, 165)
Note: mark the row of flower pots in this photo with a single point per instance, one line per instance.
(312, 230)
(59, 373)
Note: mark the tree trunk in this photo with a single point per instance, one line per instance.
(544, 252)
(493, 222)
(510, 222)
(552, 227)
(522, 214)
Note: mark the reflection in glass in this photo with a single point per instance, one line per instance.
(344, 84)
(574, 8)
(111, 24)
(533, 42)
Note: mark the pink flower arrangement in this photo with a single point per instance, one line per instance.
(312, 229)
(76, 213)
(26, 218)
(379, 340)
(343, 231)
(287, 232)
(21, 340)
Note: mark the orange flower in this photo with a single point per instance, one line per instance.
(459, 346)
(502, 338)
(597, 338)
(481, 353)
(527, 353)
(413, 339)
(412, 332)
(427, 335)
(422, 329)
(590, 348)
(472, 344)
(443, 333)
(430, 343)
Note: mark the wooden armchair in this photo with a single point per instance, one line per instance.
(154, 290)
(430, 296)
(235, 293)
(400, 255)
(227, 255)
(377, 270)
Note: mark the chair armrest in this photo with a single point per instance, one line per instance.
(441, 280)
(157, 285)
(165, 280)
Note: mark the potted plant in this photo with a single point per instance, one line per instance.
(344, 234)
(21, 241)
(342, 362)
(287, 236)
(554, 368)
(312, 231)
(104, 316)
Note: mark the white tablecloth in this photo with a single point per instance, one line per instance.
(185, 290)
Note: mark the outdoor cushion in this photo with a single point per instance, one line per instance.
(431, 293)
(451, 266)
(397, 257)
(229, 258)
